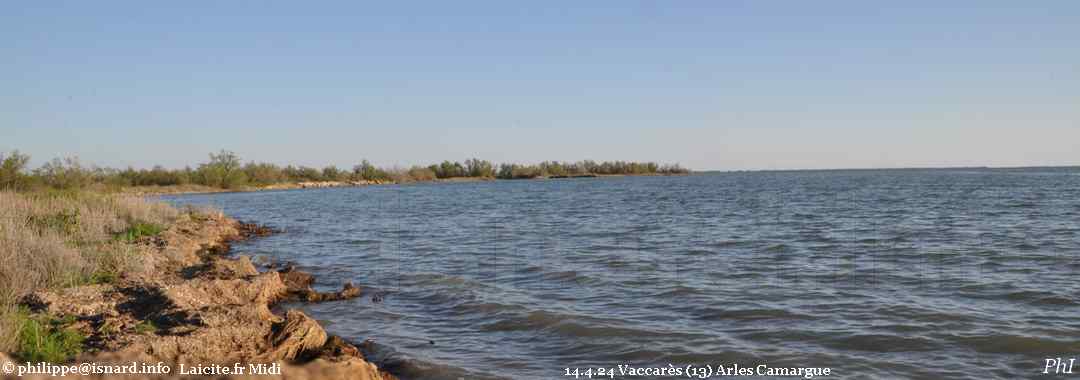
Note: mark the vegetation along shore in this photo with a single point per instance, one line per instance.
(226, 171)
(111, 279)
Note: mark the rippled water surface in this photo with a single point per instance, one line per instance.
(876, 274)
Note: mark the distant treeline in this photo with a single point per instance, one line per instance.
(227, 171)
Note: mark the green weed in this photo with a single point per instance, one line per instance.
(146, 327)
(46, 339)
(138, 230)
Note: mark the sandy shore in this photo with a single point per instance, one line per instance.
(195, 307)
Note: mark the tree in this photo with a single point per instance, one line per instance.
(421, 174)
(478, 168)
(263, 173)
(506, 171)
(11, 170)
(223, 170)
(368, 172)
(67, 173)
(332, 173)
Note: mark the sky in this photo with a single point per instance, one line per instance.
(713, 85)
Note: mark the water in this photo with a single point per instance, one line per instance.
(876, 274)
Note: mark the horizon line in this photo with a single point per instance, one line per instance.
(1069, 166)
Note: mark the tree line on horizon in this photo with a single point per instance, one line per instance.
(226, 170)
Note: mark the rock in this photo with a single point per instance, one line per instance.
(295, 279)
(297, 337)
(252, 230)
(353, 369)
(205, 308)
(240, 267)
(348, 291)
(299, 287)
(337, 347)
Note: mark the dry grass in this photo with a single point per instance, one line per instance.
(52, 240)
(169, 189)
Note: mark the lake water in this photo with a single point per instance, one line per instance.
(876, 274)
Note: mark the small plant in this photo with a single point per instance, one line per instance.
(102, 277)
(146, 327)
(138, 230)
(45, 339)
(109, 328)
(64, 222)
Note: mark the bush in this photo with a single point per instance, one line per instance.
(44, 339)
(417, 173)
(264, 173)
(61, 238)
(365, 171)
(65, 222)
(558, 169)
(332, 173)
(138, 230)
(223, 171)
(67, 173)
(10, 322)
(35, 260)
(479, 168)
(11, 171)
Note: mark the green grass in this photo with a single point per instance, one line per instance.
(109, 328)
(146, 327)
(138, 230)
(46, 339)
(102, 277)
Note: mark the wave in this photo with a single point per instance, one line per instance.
(407, 367)
(1040, 298)
(882, 343)
(1016, 344)
(747, 315)
(573, 326)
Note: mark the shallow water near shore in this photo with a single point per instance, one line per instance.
(960, 273)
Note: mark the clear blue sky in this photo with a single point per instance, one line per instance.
(709, 84)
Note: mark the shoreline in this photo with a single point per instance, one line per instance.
(183, 190)
(199, 306)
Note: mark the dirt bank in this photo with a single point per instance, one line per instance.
(195, 307)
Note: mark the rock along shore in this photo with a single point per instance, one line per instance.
(196, 307)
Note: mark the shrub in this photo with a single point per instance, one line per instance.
(303, 173)
(264, 173)
(479, 168)
(67, 173)
(35, 260)
(65, 222)
(332, 173)
(223, 171)
(10, 321)
(367, 172)
(102, 277)
(54, 239)
(45, 339)
(11, 171)
(138, 230)
(417, 173)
